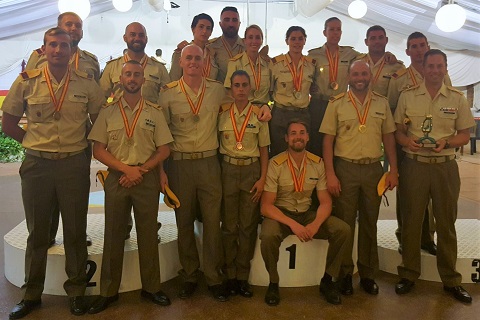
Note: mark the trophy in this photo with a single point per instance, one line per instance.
(426, 141)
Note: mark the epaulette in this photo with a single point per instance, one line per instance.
(170, 85)
(313, 50)
(399, 73)
(279, 58)
(256, 109)
(379, 95)
(39, 51)
(111, 103)
(83, 74)
(313, 157)
(91, 55)
(212, 40)
(153, 105)
(213, 80)
(155, 59)
(266, 58)
(280, 158)
(30, 74)
(346, 47)
(225, 107)
(411, 88)
(121, 57)
(310, 59)
(338, 96)
(361, 56)
(455, 90)
(238, 56)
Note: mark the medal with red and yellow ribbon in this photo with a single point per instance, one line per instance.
(297, 77)
(195, 108)
(412, 76)
(256, 71)
(333, 70)
(226, 45)
(298, 181)
(361, 118)
(206, 64)
(57, 104)
(239, 135)
(379, 71)
(126, 58)
(130, 129)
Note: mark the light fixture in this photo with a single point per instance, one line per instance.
(167, 5)
(357, 9)
(450, 17)
(122, 5)
(155, 5)
(80, 7)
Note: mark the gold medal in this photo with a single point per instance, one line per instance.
(239, 146)
(297, 94)
(196, 118)
(334, 85)
(57, 115)
(362, 128)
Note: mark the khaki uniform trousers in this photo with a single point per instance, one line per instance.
(144, 198)
(278, 126)
(418, 182)
(359, 181)
(332, 229)
(47, 184)
(240, 217)
(198, 183)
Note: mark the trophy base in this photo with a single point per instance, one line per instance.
(429, 145)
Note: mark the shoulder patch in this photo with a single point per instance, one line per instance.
(39, 51)
(30, 74)
(399, 73)
(338, 96)
(278, 58)
(91, 55)
(455, 90)
(170, 85)
(313, 157)
(280, 158)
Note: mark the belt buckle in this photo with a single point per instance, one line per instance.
(56, 156)
(433, 160)
(195, 155)
(241, 162)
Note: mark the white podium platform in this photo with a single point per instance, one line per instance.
(468, 256)
(16, 240)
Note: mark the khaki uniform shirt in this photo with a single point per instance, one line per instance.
(280, 181)
(223, 54)
(241, 62)
(449, 110)
(341, 120)
(176, 71)
(156, 76)
(381, 84)
(323, 90)
(256, 133)
(151, 131)
(188, 135)
(282, 82)
(87, 62)
(405, 79)
(29, 94)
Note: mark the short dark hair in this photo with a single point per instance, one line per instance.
(201, 16)
(68, 13)
(416, 35)
(433, 52)
(330, 20)
(296, 120)
(239, 73)
(231, 9)
(376, 28)
(54, 32)
(295, 28)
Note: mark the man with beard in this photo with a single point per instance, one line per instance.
(358, 121)
(57, 101)
(291, 177)
(81, 59)
(131, 137)
(229, 44)
(156, 74)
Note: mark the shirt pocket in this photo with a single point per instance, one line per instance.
(446, 122)
(40, 109)
(416, 119)
(347, 122)
(377, 119)
(181, 117)
(77, 105)
(151, 87)
(286, 185)
(147, 126)
(114, 131)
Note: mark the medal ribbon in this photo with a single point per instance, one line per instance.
(379, 71)
(298, 182)
(129, 130)
(412, 76)
(239, 136)
(57, 104)
(257, 74)
(333, 63)
(297, 78)
(207, 65)
(195, 108)
(144, 63)
(75, 58)
(363, 118)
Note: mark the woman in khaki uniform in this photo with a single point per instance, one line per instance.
(292, 76)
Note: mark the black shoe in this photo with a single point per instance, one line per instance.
(330, 292)
(404, 286)
(244, 289)
(459, 293)
(77, 305)
(89, 241)
(346, 285)
(51, 243)
(430, 247)
(187, 290)
(159, 297)
(219, 292)
(102, 303)
(232, 287)
(23, 308)
(272, 297)
(369, 286)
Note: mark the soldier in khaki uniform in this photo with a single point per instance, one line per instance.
(229, 44)
(256, 66)
(57, 101)
(292, 77)
(156, 75)
(244, 144)
(202, 27)
(131, 137)
(81, 59)
(431, 172)
(358, 121)
(286, 201)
